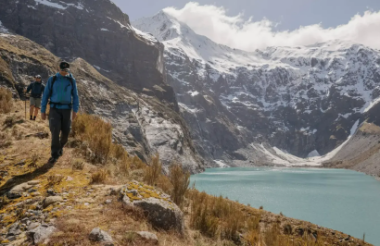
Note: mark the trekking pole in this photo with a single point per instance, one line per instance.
(25, 105)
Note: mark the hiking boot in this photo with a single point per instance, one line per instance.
(31, 118)
(52, 160)
(34, 118)
(60, 152)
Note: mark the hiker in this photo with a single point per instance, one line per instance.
(62, 91)
(37, 89)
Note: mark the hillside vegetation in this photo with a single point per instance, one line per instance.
(97, 184)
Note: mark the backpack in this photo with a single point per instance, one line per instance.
(51, 91)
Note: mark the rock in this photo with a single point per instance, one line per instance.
(11, 238)
(148, 236)
(40, 135)
(51, 200)
(14, 229)
(51, 192)
(34, 182)
(108, 201)
(21, 163)
(18, 191)
(98, 235)
(69, 178)
(33, 226)
(40, 233)
(162, 214)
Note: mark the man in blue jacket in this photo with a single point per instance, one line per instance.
(36, 88)
(62, 91)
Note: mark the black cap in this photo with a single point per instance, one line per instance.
(64, 66)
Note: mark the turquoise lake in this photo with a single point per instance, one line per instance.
(339, 199)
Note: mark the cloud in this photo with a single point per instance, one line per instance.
(234, 31)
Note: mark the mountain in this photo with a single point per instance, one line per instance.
(141, 123)
(302, 101)
(97, 31)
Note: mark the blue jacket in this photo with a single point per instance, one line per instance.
(63, 93)
(37, 89)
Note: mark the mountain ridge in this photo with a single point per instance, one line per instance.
(300, 99)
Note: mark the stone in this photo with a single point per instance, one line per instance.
(51, 192)
(18, 191)
(34, 182)
(97, 235)
(14, 229)
(40, 135)
(51, 200)
(162, 214)
(33, 225)
(108, 201)
(69, 178)
(148, 236)
(21, 163)
(40, 234)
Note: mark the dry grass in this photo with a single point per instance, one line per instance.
(180, 180)
(77, 164)
(97, 133)
(54, 180)
(218, 217)
(153, 171)
(5, 140)
(6, 102)
(99, 177)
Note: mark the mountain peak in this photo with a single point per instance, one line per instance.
(163, 26)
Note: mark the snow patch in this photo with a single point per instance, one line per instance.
(193, 93)
(104, 30)
(59, 6)
(221, 164)
(3, 29)
(313, 153)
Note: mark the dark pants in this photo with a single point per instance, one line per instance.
(60, 123)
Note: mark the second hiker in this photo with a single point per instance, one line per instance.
(37, 89)
(62, 91)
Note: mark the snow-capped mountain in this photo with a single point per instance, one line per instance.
(303, 100)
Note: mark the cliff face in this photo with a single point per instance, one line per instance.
(142, 123)
(98, 32)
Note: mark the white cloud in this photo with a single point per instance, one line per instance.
(234, 31)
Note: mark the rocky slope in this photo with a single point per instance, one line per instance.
(362, 151)
(98, 32)
(70, 203)
(303, 100)
(142, 124)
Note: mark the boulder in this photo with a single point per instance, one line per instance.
(51, 200)
(40, 233)
(162, 214)
(148, 236)
(103, 237)
(160, 211)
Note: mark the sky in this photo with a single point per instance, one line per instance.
(252, 24)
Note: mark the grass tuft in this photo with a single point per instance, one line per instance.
(180, 181)
(6, 102)
(153, 171)
(99, 177)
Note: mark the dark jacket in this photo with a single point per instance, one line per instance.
(36, 88)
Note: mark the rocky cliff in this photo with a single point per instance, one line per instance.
(303, 100)
(98, 32)
(142, 124)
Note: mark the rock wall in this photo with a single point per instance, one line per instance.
(98, 32)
